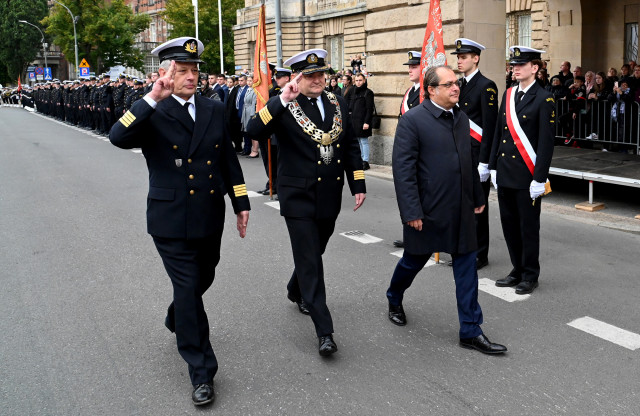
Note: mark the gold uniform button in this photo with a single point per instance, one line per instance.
(504, 141)
(524, 116)
(338, 177)
(503, 155)
(318, 146)
(191, 192)
(514, 156)
(319, 162)
(211, 191)
(217, 146)
(338, 160)
(210, 176)
(466, 104)
(338, 146)
(319, 179)
(190, 176)
(175, 147)
(189, 161)
(208, 162)
(506, 128)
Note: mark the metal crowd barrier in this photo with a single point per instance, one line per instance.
(594, 122)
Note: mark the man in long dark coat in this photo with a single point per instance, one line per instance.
(438, 191)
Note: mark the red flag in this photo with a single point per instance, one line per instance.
(432, 46)
(261, 70)
(19, 84)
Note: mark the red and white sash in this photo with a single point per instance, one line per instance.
(476, 131)
(405, 104)
(518, 135)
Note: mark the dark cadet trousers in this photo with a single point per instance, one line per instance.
(191, 266)
(520, 219)
(465, 276)
(482, 223)
(309, 238)
(274, 162)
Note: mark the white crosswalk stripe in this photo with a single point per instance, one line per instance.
(608, 332)
(504, 293)
(273, 204)
(361, 237)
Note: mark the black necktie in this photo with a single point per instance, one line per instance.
(186, 110)
(315, 112)
(463, 82)
(519, 96)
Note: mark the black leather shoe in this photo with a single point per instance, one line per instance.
(169, 320)
(397, 315)
(398, 243)
(525, 287)
(203, 394)
(302, 306)
(508, 281)
(326, 345)
(264, 191)
(480, 263)
(482, 344)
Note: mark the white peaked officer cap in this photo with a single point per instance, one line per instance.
(184, 49)
(414, 58)
(524, 54)
(308, 62)
(464, 45)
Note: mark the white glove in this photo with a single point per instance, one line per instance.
(494, 178)
(483, 170)
(536, 189)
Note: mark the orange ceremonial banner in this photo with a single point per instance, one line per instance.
(432, 46)
(261, 70)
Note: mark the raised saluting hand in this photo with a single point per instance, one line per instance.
(163, 87)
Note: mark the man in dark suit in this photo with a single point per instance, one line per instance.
(191, 167)
(438, 192)
(479, 101)
(233, 119)
(411, 97)
(218, 85)
(519, 163)
(318, 151)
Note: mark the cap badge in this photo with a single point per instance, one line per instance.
(191, 46)
(459, 44)
(410, 55)
(312, 58)
(516, 51)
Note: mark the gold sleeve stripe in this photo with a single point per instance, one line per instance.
(127, 119)
(358, 174)
(265, 115)
(240, 190)
(125, 122)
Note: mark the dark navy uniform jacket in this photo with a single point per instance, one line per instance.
(412, 100)
(479, 101)
(307, 187)
(191, 167)
(536, 114)
(436, 180)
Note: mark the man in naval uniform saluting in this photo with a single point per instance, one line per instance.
(411, 97)
(192, 165)
(478, 100)
(317, 152)
(519, 166)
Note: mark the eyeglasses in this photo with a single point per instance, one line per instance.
(447, 85)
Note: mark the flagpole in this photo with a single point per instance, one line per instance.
(278, 33)
(220, 36)
(195, 12)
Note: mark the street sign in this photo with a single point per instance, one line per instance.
(84, 64)
(39, 77)
(47, 74)
(31, 68)
(84, 72)
(40, 70)
(32, 76)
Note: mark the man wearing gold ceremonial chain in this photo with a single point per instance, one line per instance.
(317, 153)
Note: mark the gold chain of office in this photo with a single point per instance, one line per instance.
(309, 127)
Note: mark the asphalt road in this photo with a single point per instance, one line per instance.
(83, 297)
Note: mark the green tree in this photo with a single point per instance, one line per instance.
(19, 43)
(106, 32)
(179, 14)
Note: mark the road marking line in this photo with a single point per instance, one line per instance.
(430, 262)
(138, 151)
(252, 194)
(619, 336)
(273, 204)
(504, 293)
(361, 237)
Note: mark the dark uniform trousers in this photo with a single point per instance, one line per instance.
(191, 266)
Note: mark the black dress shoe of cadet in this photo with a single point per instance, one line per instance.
(508, 281)
(397, 315)
(302, 306)
(398, 243)
(326, 345)
(171, 326)
(203, 394)
(480, 263)
(525, 287)
(482, 344)
(264, 191)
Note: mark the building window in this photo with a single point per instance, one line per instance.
(252, 58)
(631, 42)
(335, 49)
(153, 34)
(518, 30)
(151, 63)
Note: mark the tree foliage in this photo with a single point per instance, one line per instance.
(106, 32)
(180, 14)
(19, 43)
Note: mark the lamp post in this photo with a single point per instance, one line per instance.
(75, 36)
(44, 45)
(195, 12)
